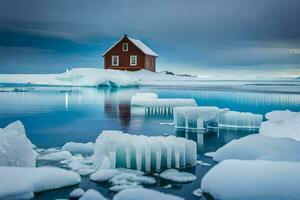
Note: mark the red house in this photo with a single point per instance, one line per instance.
(130, 54)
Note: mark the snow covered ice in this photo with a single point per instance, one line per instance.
(154, 105)
(16, 149)
(55, 156)
(194, 117)
(281, 123)
(21, 183)
(236, 119)
(92, 194)
(76, 193)
(253, 179)
(79, 148)
(262, 147)
(144, 194)
(117, 149)
(176, 176)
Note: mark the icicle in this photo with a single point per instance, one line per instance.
(128, 156)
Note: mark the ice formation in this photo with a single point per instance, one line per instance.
(142, 152)
(236, 119)
(21, 183)
(16, 149)
(194, 117)
(281, 123)
(154, 105)
(253, 179)
(261, 147)
(176, 176)
(144, 194)
(79, 148)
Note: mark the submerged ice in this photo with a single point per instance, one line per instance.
(118, 149)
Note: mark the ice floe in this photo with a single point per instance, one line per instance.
(76, 193)
(103, 175)
(81, 165)
(144, 194)
(79, 148)
(177, 176)
(258, 146)
(142, 152)
(253, 179)
(194, 117)
(281, 123)
(15, 147)
(92, 194)
(55, 156)
(22, 183)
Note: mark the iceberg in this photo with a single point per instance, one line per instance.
(142, 152)
(234, 119)
(257, 146)
(22, 183)
(281, 123)
(253, 179)
(153, 105)
(16, 149)
(194, 117)
(144, 194)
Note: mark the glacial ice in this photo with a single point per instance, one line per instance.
(16, 149)
(281, 123)
(258, 146)
(79, 148)
(144, 194)
(21, 183)
(176, 176)
(234, 119)
(142, 152)
(253, 179)
(154, 105)
(194, 117)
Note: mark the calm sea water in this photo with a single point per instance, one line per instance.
(55, 115)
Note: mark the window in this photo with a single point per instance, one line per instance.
(125, 46)
(115, 60)
(133, 60)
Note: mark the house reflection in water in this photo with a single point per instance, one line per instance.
(117, 106)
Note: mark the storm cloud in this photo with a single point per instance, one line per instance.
(194, 34)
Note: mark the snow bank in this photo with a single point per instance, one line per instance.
(282, 123)
(144, 194)
(255, 179)
(15, 147)
(142, 152)
(18, 183)
(194, 116)
(79, 148)
(261, 147)
(236, 119)
(176, 176)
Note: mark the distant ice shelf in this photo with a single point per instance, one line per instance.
(117, 149)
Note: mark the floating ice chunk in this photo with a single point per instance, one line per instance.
(92, 194)
(143, 194)
(197, 192)
(204, 163)
(15, 147)
(209, 154)
(125, 178)
(261, 147)
(234, 119)
(103, 175)
(143, 152)
(76, 193)
(118, 188)
(138, 98)
(79, 148)
(55, 156)
(193, 117)
(81, 165)
(282, 123)
(20, 183)
(253, 179)
(176, 176)
(167, 186)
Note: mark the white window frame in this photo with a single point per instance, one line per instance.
(131, 59)
(112, 61)
(125, 45)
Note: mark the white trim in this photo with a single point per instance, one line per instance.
(131, 59)
(125, 45)
(112, 60)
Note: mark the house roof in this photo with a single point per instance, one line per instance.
(139, 44)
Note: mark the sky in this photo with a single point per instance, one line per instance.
(191, 36)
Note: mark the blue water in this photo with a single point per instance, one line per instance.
(55, 115)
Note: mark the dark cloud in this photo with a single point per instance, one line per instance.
(210, 33)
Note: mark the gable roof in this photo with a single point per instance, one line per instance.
(139, 44)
